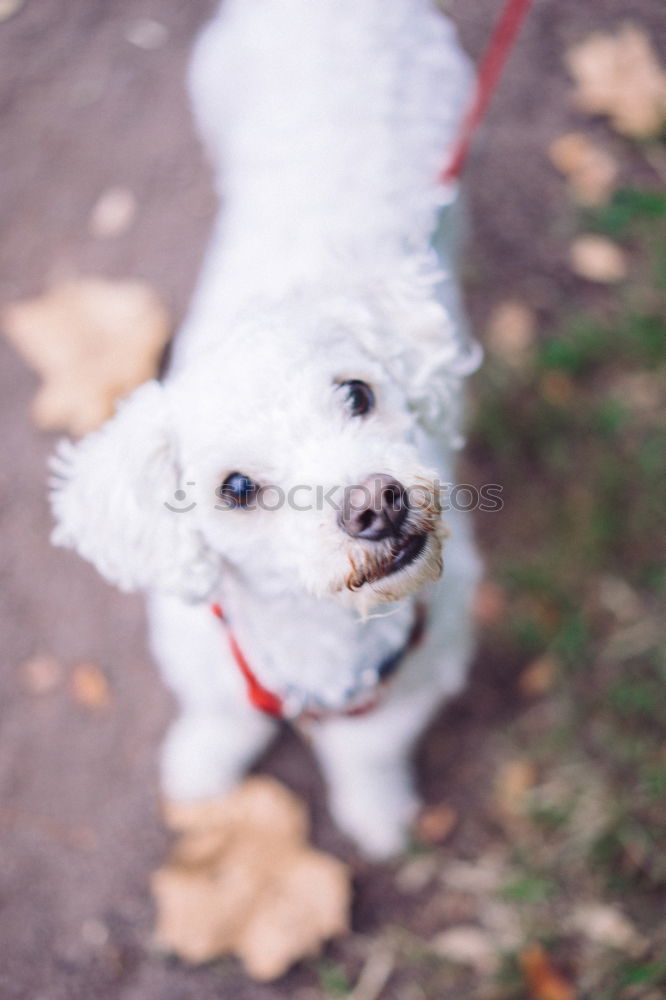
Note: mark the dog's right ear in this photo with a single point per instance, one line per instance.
(109, 501)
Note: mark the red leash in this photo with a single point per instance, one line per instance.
(490, 69)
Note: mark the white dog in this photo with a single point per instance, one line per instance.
(287, 468)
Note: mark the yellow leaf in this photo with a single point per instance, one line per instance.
(619, 75)
(541, 979)
(243, 880)
(92, 341)
(511, 332)
(514, 780)
(9, 7)
(435, 823)
(591, 171)
(557, 388)
(597, 259)
(490, 603)
(538, 677)
(90, 687)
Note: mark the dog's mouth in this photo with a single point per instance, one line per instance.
(394, 567)
(406, 553)
(402, 553)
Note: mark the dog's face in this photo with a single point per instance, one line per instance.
(293, 459)
(307, 469)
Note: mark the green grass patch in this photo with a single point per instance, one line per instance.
(627, 207)
(529, 889)
(333, 978)
(575, 440)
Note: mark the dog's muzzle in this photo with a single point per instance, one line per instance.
(378, 511)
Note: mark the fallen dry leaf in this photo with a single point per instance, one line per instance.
(591, 171)
(597, 259)
(608, 926)
(435, 823)
(514, 780)
(9, 7)
(490, 603)
(417, 873)
(90, 687)
(538, 677)
(112, 213)
(483, 876)
(92, 341)
(616, 596)
(643, 392)
(511, 332)
(503, 923)
(146, 33)
(619, 75)
(242, 879)
(41, 674)
(375, 974)
(557, 387)
(468, 945)
(542, 980)
(634, 640)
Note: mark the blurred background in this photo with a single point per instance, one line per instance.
(540, 870)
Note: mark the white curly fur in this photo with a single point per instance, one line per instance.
(332, 259)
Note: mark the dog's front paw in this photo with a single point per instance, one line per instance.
(376, 815)
(207, 754)
(195, 761)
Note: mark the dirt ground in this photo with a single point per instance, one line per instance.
(84, 109)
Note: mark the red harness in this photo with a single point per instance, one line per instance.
(260, 697)
(271, 704)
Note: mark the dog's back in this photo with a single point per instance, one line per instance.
(327, 123)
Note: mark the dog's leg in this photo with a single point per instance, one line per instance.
(218, 733)
(366, 762)
(207, 753)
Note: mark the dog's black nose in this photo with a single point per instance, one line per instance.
(374, 509)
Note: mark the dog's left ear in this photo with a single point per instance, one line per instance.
(432, 355)
(109, 501)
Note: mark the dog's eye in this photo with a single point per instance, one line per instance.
(237, 490)
(360, 398)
